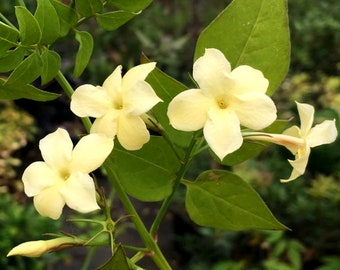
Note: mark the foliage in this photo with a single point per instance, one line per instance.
(248, 33)
(315, 36)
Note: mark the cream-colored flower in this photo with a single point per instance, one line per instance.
(320, 134)
(38, 248)
(226, 99)
(63, 177)
(299, 141)
(118, 105)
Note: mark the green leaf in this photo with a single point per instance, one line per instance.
(84, 52)
(146, 174)
(48, 20)
(222, 200)
(88, 8)
(27, 71)
(8, 36)
(247, 151)
(51, 65)
(167, 88)
(67, 17)
(30, 32)
(253, 33)
(131, 5)
(12, 59)
(117, 261)
(17, 91)
(114, 19)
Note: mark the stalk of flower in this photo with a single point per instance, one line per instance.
(118, 105)
(39, 247)
(225, 100)
(299, 141)
(63, 177)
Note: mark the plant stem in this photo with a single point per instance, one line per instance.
(157, 256)
(162, 211)
(149, 242)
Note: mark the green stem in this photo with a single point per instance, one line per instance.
(88, 258)
(157, 256)
(149, 242)
(162, 211)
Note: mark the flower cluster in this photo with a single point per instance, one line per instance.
(225, 102)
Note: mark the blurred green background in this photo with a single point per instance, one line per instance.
(166, 32)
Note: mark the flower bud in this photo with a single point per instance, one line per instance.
(37, 248)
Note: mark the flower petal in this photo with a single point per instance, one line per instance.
(222, 132)
(79, 193)
(132, 132)
(106, 125)
(299, 166)
(254, 110)
(323, 133)
(306, 113)
(56, 149)
(140, 98)
(113, 83)
(91, 152)
(89, 100)
(37, 177)
(212, 71)
(248, 79)
(188, 111)
(49, 202)
(136, 74)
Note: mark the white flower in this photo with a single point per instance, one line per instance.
(118, 105)
(39, 247)
(323, 133)
(226, 99)
(299, 141)
(63, 176)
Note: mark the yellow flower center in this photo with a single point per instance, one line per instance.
(117, 105)
(222, 103)
(65, 174)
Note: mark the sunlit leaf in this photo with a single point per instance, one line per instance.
(222, 200)
(88, 8)
(30, 32)
(146, 174)
(253, 33)
(48, 20)
(17, 91)
(67, 17)
(51, 63)
(8, 37)
(27, 71)
(113, 20)
(131, 5)
(11, 59)
(84, 52)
